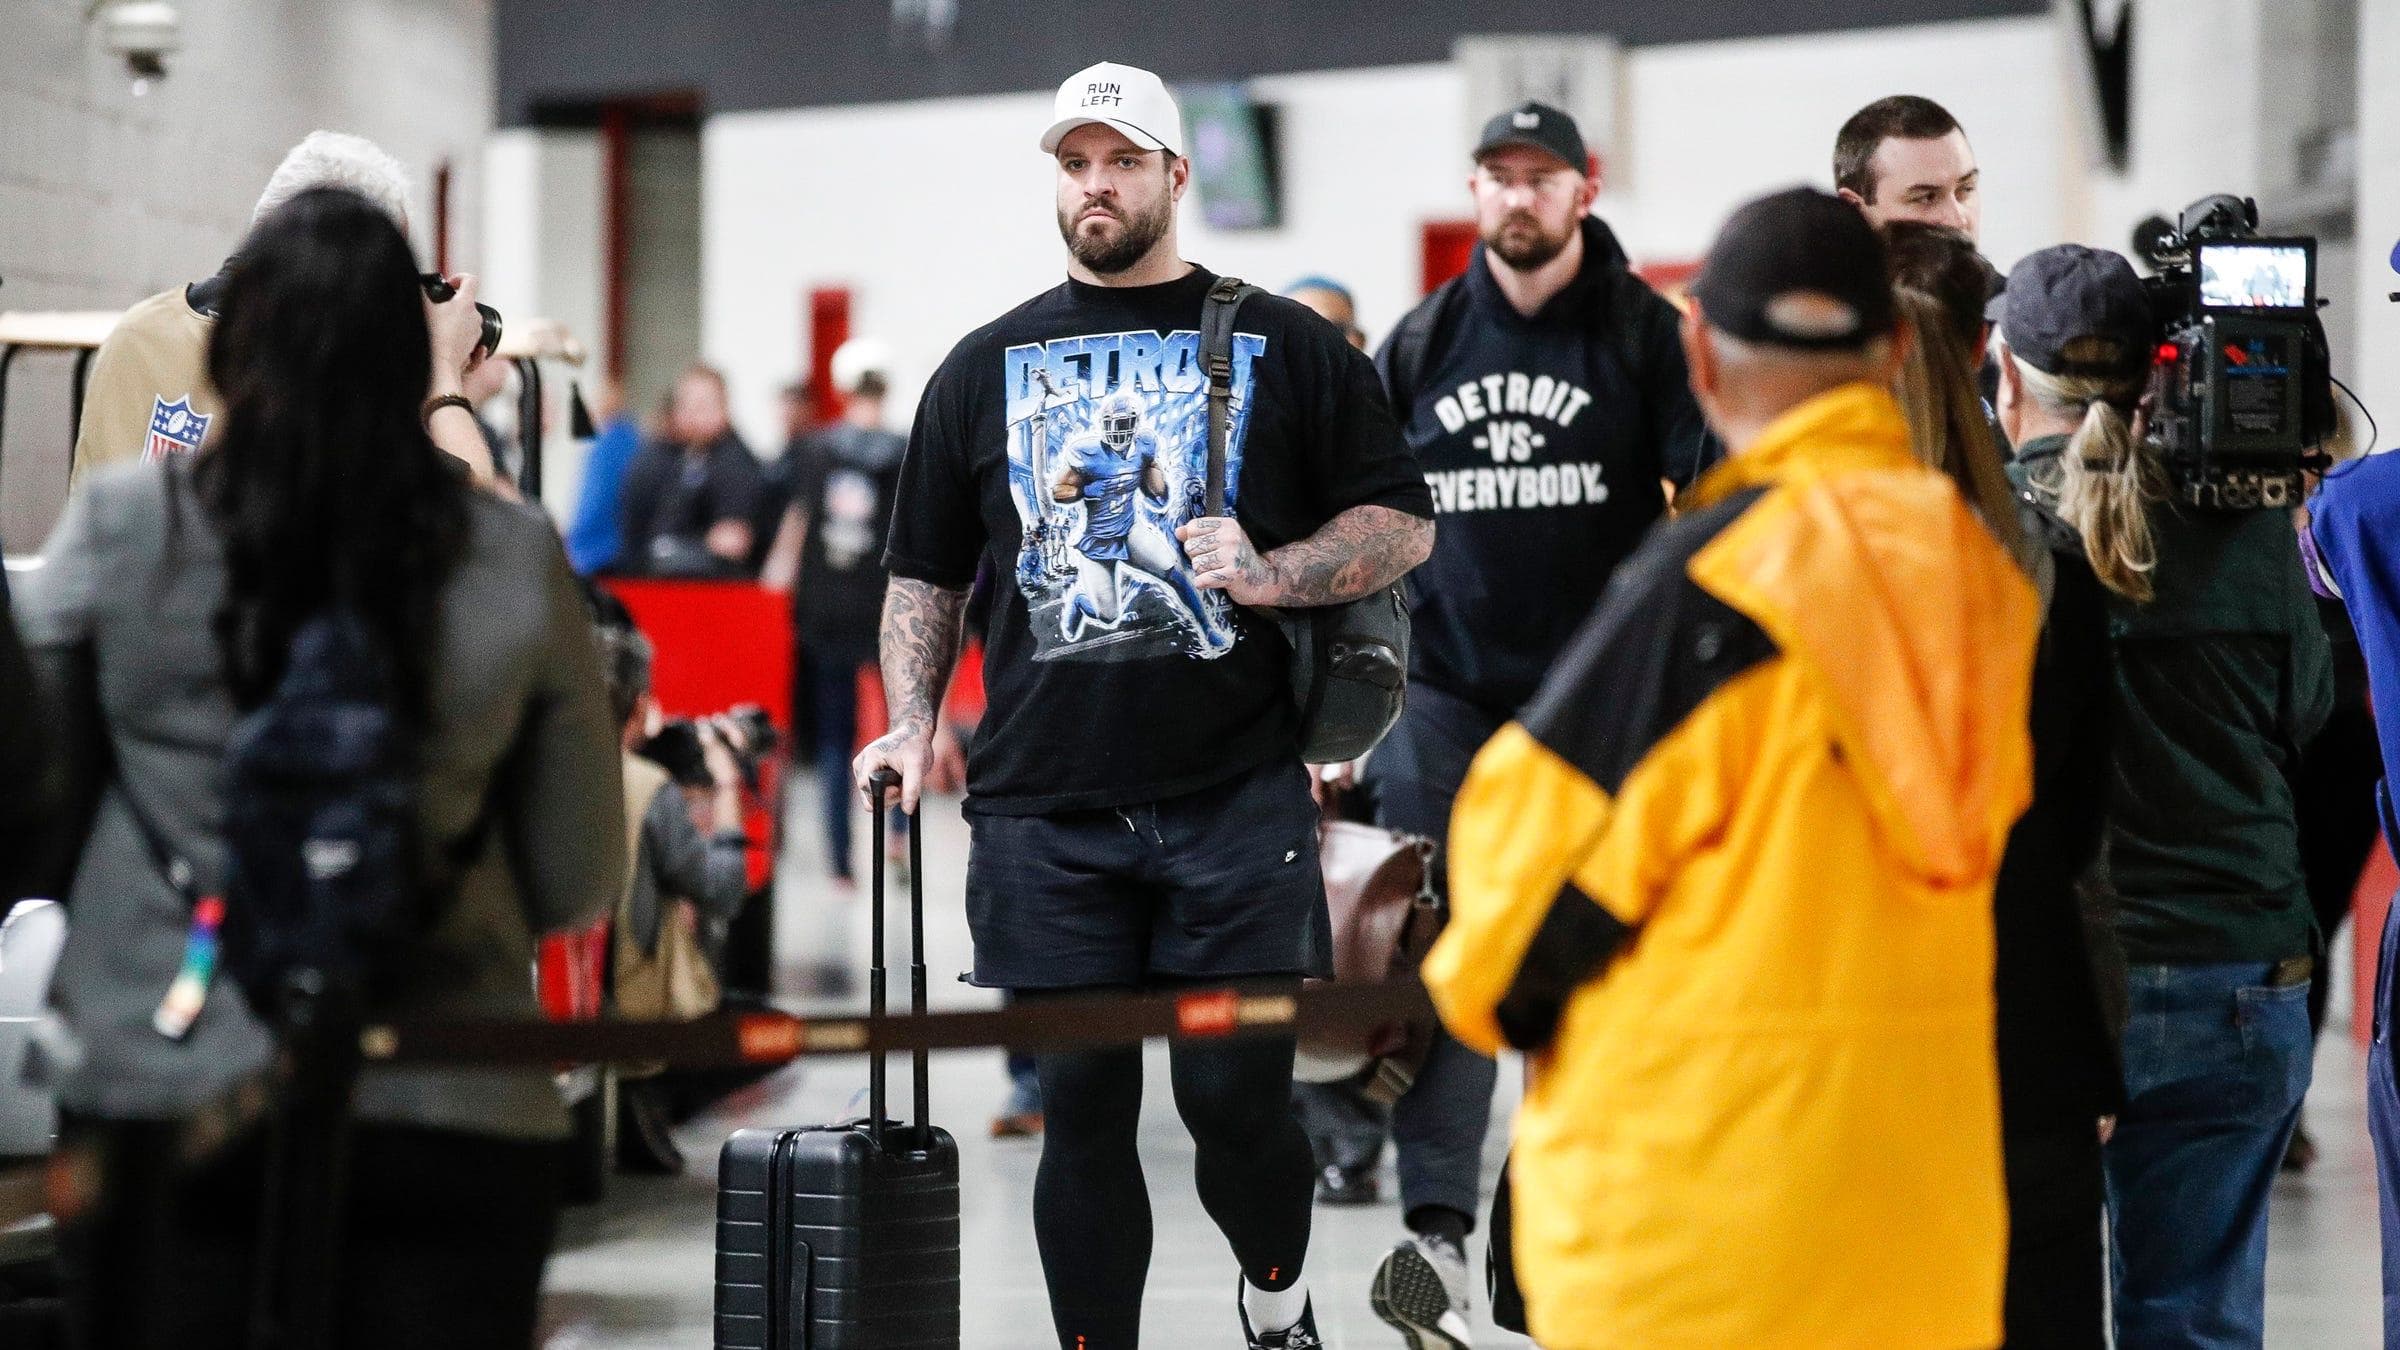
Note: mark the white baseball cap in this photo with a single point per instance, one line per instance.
(1128, 98)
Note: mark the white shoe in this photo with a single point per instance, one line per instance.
(1421, 1291)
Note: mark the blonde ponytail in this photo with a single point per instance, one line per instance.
(2104, 482)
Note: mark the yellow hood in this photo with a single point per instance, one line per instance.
(1869, 569)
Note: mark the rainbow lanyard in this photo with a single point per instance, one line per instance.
(185, 997)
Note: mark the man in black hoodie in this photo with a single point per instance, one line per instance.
(1545, 394)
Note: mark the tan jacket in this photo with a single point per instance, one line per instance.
(149, 394)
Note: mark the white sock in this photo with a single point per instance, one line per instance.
(1274, 1309)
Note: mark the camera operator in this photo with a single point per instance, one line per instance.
(150, 393)
(2221, 675)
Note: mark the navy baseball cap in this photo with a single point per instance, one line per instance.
(2072, 310)
(1538, 125)
(1797, 268)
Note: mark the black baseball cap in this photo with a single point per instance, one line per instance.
(1539, 125)
(1797, 268)
(2077, 311)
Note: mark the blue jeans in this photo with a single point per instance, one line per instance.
(833, 690)
(2216, 1063)
(2383, 1122)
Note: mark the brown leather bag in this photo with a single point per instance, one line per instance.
(1379, 889)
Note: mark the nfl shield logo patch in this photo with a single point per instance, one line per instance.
(174, 428)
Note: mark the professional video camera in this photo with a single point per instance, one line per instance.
(2241, 381)
(676, 747)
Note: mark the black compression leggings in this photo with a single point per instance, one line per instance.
(1091, 1208)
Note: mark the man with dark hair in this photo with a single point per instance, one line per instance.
(1139, 817)
(1545, 392)
(1727, 879)
(1906, 158)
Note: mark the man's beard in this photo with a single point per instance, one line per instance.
(1107, 256)
(1526, 249)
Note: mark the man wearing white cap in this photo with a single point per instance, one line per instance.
(1140, 818)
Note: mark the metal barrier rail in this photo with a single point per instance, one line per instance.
(725, 1040)
(721, 1040)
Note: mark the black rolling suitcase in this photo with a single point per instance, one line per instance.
(845, 1237)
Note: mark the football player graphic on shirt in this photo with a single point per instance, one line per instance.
(1114, 469)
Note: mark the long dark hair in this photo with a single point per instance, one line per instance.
(1941, 283)
(321, 481)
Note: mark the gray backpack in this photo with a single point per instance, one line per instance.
(1349, 661)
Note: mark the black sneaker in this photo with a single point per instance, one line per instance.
(1300, 1335)
(1338, 1185)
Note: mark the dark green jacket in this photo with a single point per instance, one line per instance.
(2220, 680)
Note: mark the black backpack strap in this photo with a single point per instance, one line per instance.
(1410, 346)
(1216, 357)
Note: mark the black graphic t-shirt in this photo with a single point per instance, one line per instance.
(843, 481)
(1067, 441)
(1544, 459)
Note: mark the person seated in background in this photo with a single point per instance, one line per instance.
(1727, 880)
(596, 536)
(691, 496)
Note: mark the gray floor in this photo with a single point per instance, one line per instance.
(635, 1270)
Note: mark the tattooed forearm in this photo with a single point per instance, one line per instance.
(922, 624)
(1358, 552)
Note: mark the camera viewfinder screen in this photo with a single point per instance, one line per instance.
(2254, 276)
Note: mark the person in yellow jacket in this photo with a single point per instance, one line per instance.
(1728, 878)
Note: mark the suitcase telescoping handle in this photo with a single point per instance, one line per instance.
(920, 1063)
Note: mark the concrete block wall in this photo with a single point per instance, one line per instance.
(106, 197)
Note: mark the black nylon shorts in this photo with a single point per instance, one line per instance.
(1216, 884)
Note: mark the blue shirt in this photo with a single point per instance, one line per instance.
(2354, 521)
(597, 539)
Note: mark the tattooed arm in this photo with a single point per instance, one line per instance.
(922, 624)
(1357, 553)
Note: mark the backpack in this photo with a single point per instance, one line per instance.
(323, 889)
(1349, 670)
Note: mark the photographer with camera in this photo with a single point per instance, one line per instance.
(682, 890)
(676, 876)
(172, 602)
(2221, 675)
(150, 394)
